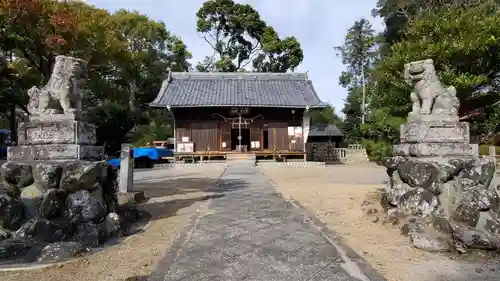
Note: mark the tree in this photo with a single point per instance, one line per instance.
(239, 38)
(151, 52)
(351, 124)
(359, 53)
(38, 30)
(398, 13)
(463, 42)
(129, 56)
(326, 115)
(159, 127)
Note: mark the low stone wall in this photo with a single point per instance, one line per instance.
(353, 154)
(223, 165)
(291, 164)
(189, 165)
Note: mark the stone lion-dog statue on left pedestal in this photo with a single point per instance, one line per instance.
(61, 94)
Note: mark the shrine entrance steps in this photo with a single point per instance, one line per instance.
(248, 158)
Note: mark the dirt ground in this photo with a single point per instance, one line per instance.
(336, 195)
(175, 196)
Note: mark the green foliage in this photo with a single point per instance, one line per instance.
(464, 46)
(239, 37)
(151, 51)
(155, 130)
(485, 149)
(359, 53)
(159, 127)
(351, 124)
(398, 13)
(325, 116)
(377, 151)
(382, 126)
(113, 122)
(129, 55)
(462, 37)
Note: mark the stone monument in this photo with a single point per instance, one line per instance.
(61, 196)
(126, 192)
(440, 189)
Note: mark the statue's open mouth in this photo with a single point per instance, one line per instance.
(416, 71)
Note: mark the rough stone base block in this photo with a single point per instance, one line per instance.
(55, 152)
(434, 149)
(435, 132)
(64, 131)
(130, 197)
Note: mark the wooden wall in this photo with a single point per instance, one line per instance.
(207, 133)
(205, 136)
(224, 136)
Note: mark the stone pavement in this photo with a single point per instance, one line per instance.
(252, 233)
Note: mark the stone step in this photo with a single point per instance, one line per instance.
(240, 156)
(241, 163)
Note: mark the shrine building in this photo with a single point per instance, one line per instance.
(242, 112)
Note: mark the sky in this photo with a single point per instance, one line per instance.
(319, 25)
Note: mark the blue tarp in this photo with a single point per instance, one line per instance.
(152, 153)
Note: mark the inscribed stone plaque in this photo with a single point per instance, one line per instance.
(422, 132)
(57, 132)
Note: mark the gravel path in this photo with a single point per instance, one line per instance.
(250, 233)
(342, 205)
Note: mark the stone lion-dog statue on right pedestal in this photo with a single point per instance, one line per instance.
(428, 95)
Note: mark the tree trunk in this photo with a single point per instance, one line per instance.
(46, 67)
(131, 98)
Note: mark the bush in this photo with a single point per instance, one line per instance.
(484, 149)
(377, 150)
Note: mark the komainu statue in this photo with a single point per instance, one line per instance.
(440, 191)
(61, 95)
(429, 96)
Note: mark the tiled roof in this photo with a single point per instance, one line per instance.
(325, 131)
(200, 89)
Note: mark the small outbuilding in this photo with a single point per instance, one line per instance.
(321, 138)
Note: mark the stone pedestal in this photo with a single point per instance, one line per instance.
(60, 194)
(439, 182)
(56, 175)
(55, 137)
(440, 190)
(434, 135)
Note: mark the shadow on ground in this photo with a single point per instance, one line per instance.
(157, 190)
(163, 186)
